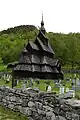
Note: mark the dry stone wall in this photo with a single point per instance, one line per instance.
(38, 105)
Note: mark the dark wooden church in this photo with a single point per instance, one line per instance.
(37, 60)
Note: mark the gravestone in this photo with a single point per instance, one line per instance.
(67, 89)
(61, 90)
(49, 89)
(77, 81)
(74, 75)
(17, 82)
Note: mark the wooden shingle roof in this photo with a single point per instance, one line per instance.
(49, 61)
(33, 45)
(45, 47)
(24, 59)
(23, 67)
(37, 59)
(46, 68)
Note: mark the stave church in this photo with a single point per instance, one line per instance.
(37, 59)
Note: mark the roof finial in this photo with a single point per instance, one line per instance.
(42, 22)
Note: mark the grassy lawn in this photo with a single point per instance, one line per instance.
(3, 68)
(7, 114)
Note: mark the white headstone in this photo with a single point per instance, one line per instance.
(4, 76)
(61, 90)
(74, 75)
(49, 89)
(67, 89)
(77, 81)
(73, 93)
(70, 79)
(8, 79)
(17, 82)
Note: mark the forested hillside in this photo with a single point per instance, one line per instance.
(12, 42)
(65, 46)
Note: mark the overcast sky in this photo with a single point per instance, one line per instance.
(59, 15)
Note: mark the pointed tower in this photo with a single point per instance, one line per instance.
(42, 29)
(37, 59)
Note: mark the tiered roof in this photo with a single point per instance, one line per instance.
(37, 59)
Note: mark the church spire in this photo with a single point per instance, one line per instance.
(42, 22)
(42, 25)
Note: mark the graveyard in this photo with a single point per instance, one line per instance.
(68, 82)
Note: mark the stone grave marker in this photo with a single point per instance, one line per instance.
(61, 90)
(49, 89)
(67, 89)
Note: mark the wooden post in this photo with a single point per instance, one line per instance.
(12, 82)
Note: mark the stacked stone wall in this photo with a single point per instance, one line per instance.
(37, 105)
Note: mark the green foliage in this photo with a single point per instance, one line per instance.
(1, 61)
(12, 42)
(65, 46)
(3, 67)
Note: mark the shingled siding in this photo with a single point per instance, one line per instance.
(38, 105)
